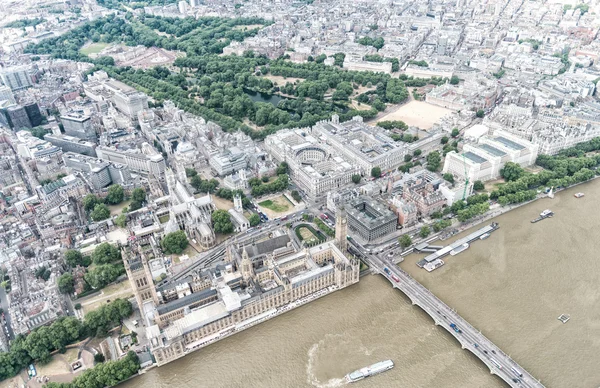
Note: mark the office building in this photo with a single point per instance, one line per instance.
(16, 77)
(33, 113)
(484, 160)
(314, 166)
(361, 144)
(134, 159)
(229, 161)
(17, 117)
(127, 99)
(79, 126)
(6, 94)
(97, 172)
(72, 144)
(370, 219)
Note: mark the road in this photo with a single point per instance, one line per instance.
(470, 338)
(5, 307)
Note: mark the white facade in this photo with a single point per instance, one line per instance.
(135, 160)
(313, 166)
(484, 160)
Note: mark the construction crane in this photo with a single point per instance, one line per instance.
(466, 178)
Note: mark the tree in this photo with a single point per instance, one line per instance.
(265, 178)
(190, 172)
(296, 195)
(454, 80)
(254, 219)
(39, 132)
(105, 253)
(66, 284)
(444, 140)
(424, 232)
(174, 242)
(407, 158)
(121, 220)
(73, 258)
(102, 275)
(455, 133)
(99, 357)
(480, 113)
(43, 273)
(77, 306)
(449, 177)
(417, 152)
(138, 196)
(222, 222)
(511, 171)
(376, 172)
(99, 321)
(356, 178)
(105, 374)
(434, 161)
(478, 186)
(90, 201)
(115, 195)
(405, 241)
(282, 168)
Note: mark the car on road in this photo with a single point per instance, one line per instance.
(396, 278)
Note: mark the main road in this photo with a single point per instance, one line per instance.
(470, 338)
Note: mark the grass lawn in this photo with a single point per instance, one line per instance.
(164, 218)
(121, 290)
(115, 210)
(93, 48)
(307, 235)
(221, 203)
(189, 250)
(278, 205)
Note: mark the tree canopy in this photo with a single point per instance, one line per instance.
(106, 253)
(115, 195)
(221, 220)
(174, 242)
(100, 212)
(405, 241)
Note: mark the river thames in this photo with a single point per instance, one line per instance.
(512, 286)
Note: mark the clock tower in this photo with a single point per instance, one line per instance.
(341, 228)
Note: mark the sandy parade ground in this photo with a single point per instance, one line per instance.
(417, 113)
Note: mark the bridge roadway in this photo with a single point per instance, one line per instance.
(443, 316)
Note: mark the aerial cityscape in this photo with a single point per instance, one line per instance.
(299, 193)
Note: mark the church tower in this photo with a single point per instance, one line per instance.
(247, 270)
(171, 184)
(237, 203)
(341, 228)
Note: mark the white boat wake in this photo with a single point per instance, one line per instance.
(312, 379)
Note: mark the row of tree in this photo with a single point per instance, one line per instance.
(259, 188)
(41, 342)
(106, 374)
(107, 267)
